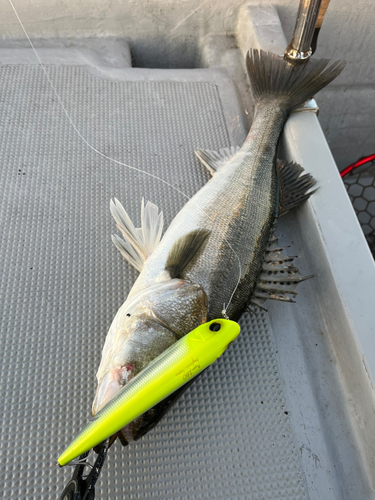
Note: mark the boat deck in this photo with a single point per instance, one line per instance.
(237, 432)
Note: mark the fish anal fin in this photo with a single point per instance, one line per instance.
(213, 160)
(184, 250)
(294, 185)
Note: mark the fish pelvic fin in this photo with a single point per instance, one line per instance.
(273, 76)
(213, 160)
(294, 185)
(184, 250)
(139, 243)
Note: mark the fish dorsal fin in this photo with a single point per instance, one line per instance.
(140, 242)
(184, 250)
(293, 185)
(279, 276)
(213, 160)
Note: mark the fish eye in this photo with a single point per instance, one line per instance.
(128, 315)
(214, 327)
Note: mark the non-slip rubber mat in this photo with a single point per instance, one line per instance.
(62, 282)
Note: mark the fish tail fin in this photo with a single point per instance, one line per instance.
(273, 76)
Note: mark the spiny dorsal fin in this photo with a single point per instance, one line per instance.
(293, 185)
(213, 160)
(140, 242)
(184, 250)
(279, 276)
(258, 303)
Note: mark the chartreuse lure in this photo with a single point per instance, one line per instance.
(168, 372)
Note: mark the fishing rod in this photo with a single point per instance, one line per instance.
(309, 20)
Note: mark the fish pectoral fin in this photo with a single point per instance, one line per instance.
(279, 276)
(140, 242)
(213, 160)
(294, 185)
(128, 252)
(184, 250)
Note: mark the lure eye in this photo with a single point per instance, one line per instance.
(214, 327)
(128, 315)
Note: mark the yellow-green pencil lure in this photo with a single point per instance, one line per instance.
(168, 372)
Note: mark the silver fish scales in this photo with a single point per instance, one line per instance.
(219, 249)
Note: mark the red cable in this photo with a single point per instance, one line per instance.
(362, 161)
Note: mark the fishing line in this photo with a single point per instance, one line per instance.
(73, 124)
(85, 461)
(103, 155)
(74, 463)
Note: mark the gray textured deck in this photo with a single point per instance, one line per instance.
(62, 282)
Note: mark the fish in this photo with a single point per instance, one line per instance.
(220, 255)
(172, 369)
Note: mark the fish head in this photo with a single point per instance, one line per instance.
(147, 324)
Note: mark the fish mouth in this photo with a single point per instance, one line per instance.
(110, 386)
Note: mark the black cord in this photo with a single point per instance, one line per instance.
(314, 41)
